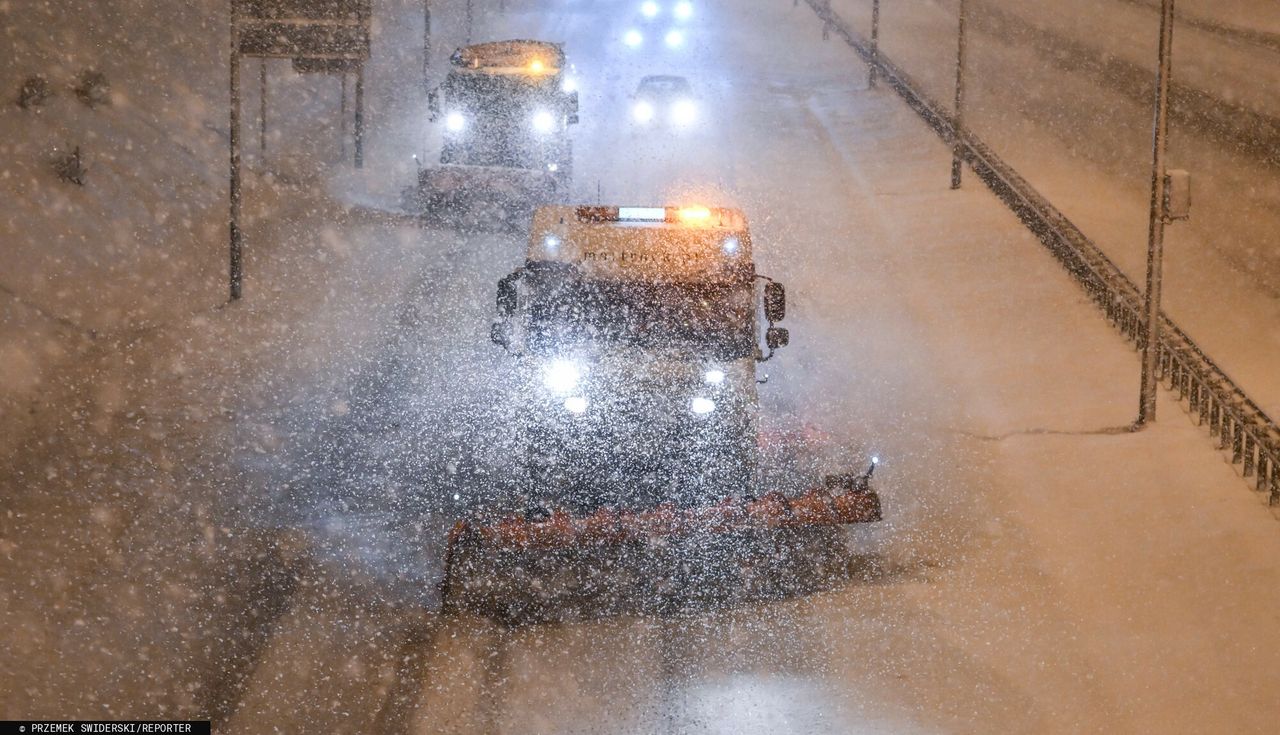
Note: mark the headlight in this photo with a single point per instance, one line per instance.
(683, 9)
(730, 244)
(649, 8)
(455, 122)
(714, 376)
(575, 404)
(632, 38)
(561, 376)
(702, 405)
(642, 112)
(543, 121)
(675, 39)
(684, 112)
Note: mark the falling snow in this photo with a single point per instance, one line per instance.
(552, 289)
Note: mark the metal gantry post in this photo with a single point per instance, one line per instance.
(359, 121)
(1156, 222)
(958, 117)
(470, 20)
(426, 45)
(875, 43)
(236, 264)
(262, 104)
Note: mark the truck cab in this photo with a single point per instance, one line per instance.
(507, 104)
(637, 332)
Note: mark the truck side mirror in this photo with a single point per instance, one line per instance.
(775, 302)
(507, 295)
(500, 333)
(573, 107)
(775, 337)
(433, 104)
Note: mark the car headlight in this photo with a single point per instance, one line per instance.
(575, 404)
(455, 122)
(543, 121)
(649, 8)
(683, 9)
(632, 38)
(642, 112)
(561, 376)
(684, 112)
(701, 406)
(714, 376)
(675, 39)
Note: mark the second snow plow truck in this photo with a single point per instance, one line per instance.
(637, 332)
(505, 108)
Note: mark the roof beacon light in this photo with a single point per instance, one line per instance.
(536, 66)
(694, 214)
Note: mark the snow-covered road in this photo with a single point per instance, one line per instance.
(1039, 569)
(1062, 92)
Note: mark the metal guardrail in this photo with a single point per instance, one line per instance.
(1209, 395)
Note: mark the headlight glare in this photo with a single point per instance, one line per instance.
(561, 376)
(543, 121)
(684, 112)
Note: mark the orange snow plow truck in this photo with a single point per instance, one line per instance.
(637, 332)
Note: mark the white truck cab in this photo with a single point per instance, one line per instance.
(638, 330)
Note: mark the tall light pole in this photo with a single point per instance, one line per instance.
(237, 243)
(1156, 223)
(426, 45)
(958, 117)
(875, 43)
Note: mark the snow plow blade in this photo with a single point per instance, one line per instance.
(482, 195)
(817, 507)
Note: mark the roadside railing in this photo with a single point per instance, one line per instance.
(1210, 397)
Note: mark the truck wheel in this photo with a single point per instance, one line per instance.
(487, 215)
(434, 208)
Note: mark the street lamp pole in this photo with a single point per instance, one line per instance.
(875, 43)
(1157, 221)
(426, 45)
(237, 243)
(958, 117)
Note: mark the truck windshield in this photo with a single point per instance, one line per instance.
(713, 318)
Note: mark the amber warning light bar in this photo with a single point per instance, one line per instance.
(689, 215)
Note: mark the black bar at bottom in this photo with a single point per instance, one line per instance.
(172, 727)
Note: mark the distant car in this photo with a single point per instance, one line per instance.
(664, 99)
